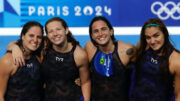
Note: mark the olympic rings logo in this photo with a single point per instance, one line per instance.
(169, 9)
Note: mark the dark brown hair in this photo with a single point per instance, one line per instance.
(166, 49)
(25, 29)
(70, 37)
(108, 24)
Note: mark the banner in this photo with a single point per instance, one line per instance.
(79, 13)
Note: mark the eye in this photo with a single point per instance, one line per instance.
(50, 31)
(156, 35)
(104, 28)
(95, 31)
(58, 29)
(39, 37)
(31, 35)
(147, 37)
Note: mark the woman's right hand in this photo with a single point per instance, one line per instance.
(17, 54)
(78, 81)
(18, 57)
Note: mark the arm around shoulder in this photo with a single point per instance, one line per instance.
(17, 54)
(128, 49)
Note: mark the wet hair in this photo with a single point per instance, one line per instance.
(166, 48)
(101, 18)
(25, 29)
(70, 37)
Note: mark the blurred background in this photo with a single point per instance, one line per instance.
(126, 16)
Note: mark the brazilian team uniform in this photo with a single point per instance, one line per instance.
(110, 78)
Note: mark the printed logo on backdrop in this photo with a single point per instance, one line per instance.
(72, 11)
(79, 13)
(168, 10)
(14, 13)
(9, 13)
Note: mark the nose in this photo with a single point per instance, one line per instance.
(152, 41)
(35, 39)
(100, 32)
(55, 33)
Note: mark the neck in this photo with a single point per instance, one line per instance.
(62, 48)
(158, 52)
(108, 48)
(26, 53)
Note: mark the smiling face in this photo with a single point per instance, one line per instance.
(154, 38)
(101, 33)
(32, 39)
(56, 33)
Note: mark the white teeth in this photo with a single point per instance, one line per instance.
(101, 39)
(33, 44)
(56, 39)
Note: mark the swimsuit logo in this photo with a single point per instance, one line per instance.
(168, 10)
(58, 59)
(154, 61)
(29, 65)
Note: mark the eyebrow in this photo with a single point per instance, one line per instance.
(156, 33)
(153, 34)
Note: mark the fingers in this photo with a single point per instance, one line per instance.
(21, 61)
(18, 59)
(78, 82)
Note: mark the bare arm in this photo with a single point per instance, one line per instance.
(175, 64)
(131, 52)
(82, 63)
(5, 71)
(127, 53)
(17, 54)
(177, 87)
(10, 46)
(139, 44)
(90, 50)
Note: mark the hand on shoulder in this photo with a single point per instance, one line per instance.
(127, 49)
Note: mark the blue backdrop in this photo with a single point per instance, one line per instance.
(78, 13)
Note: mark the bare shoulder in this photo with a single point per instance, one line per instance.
(174, 62)
(6, 59)
(125, 45)
(90, 48)
(6, 63)
(80, 56)
(80, 52)
(126, 48)
(126, 52)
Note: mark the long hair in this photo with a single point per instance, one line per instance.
(166, 48)
(108, 24)
(25, 29)
(70, 37)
